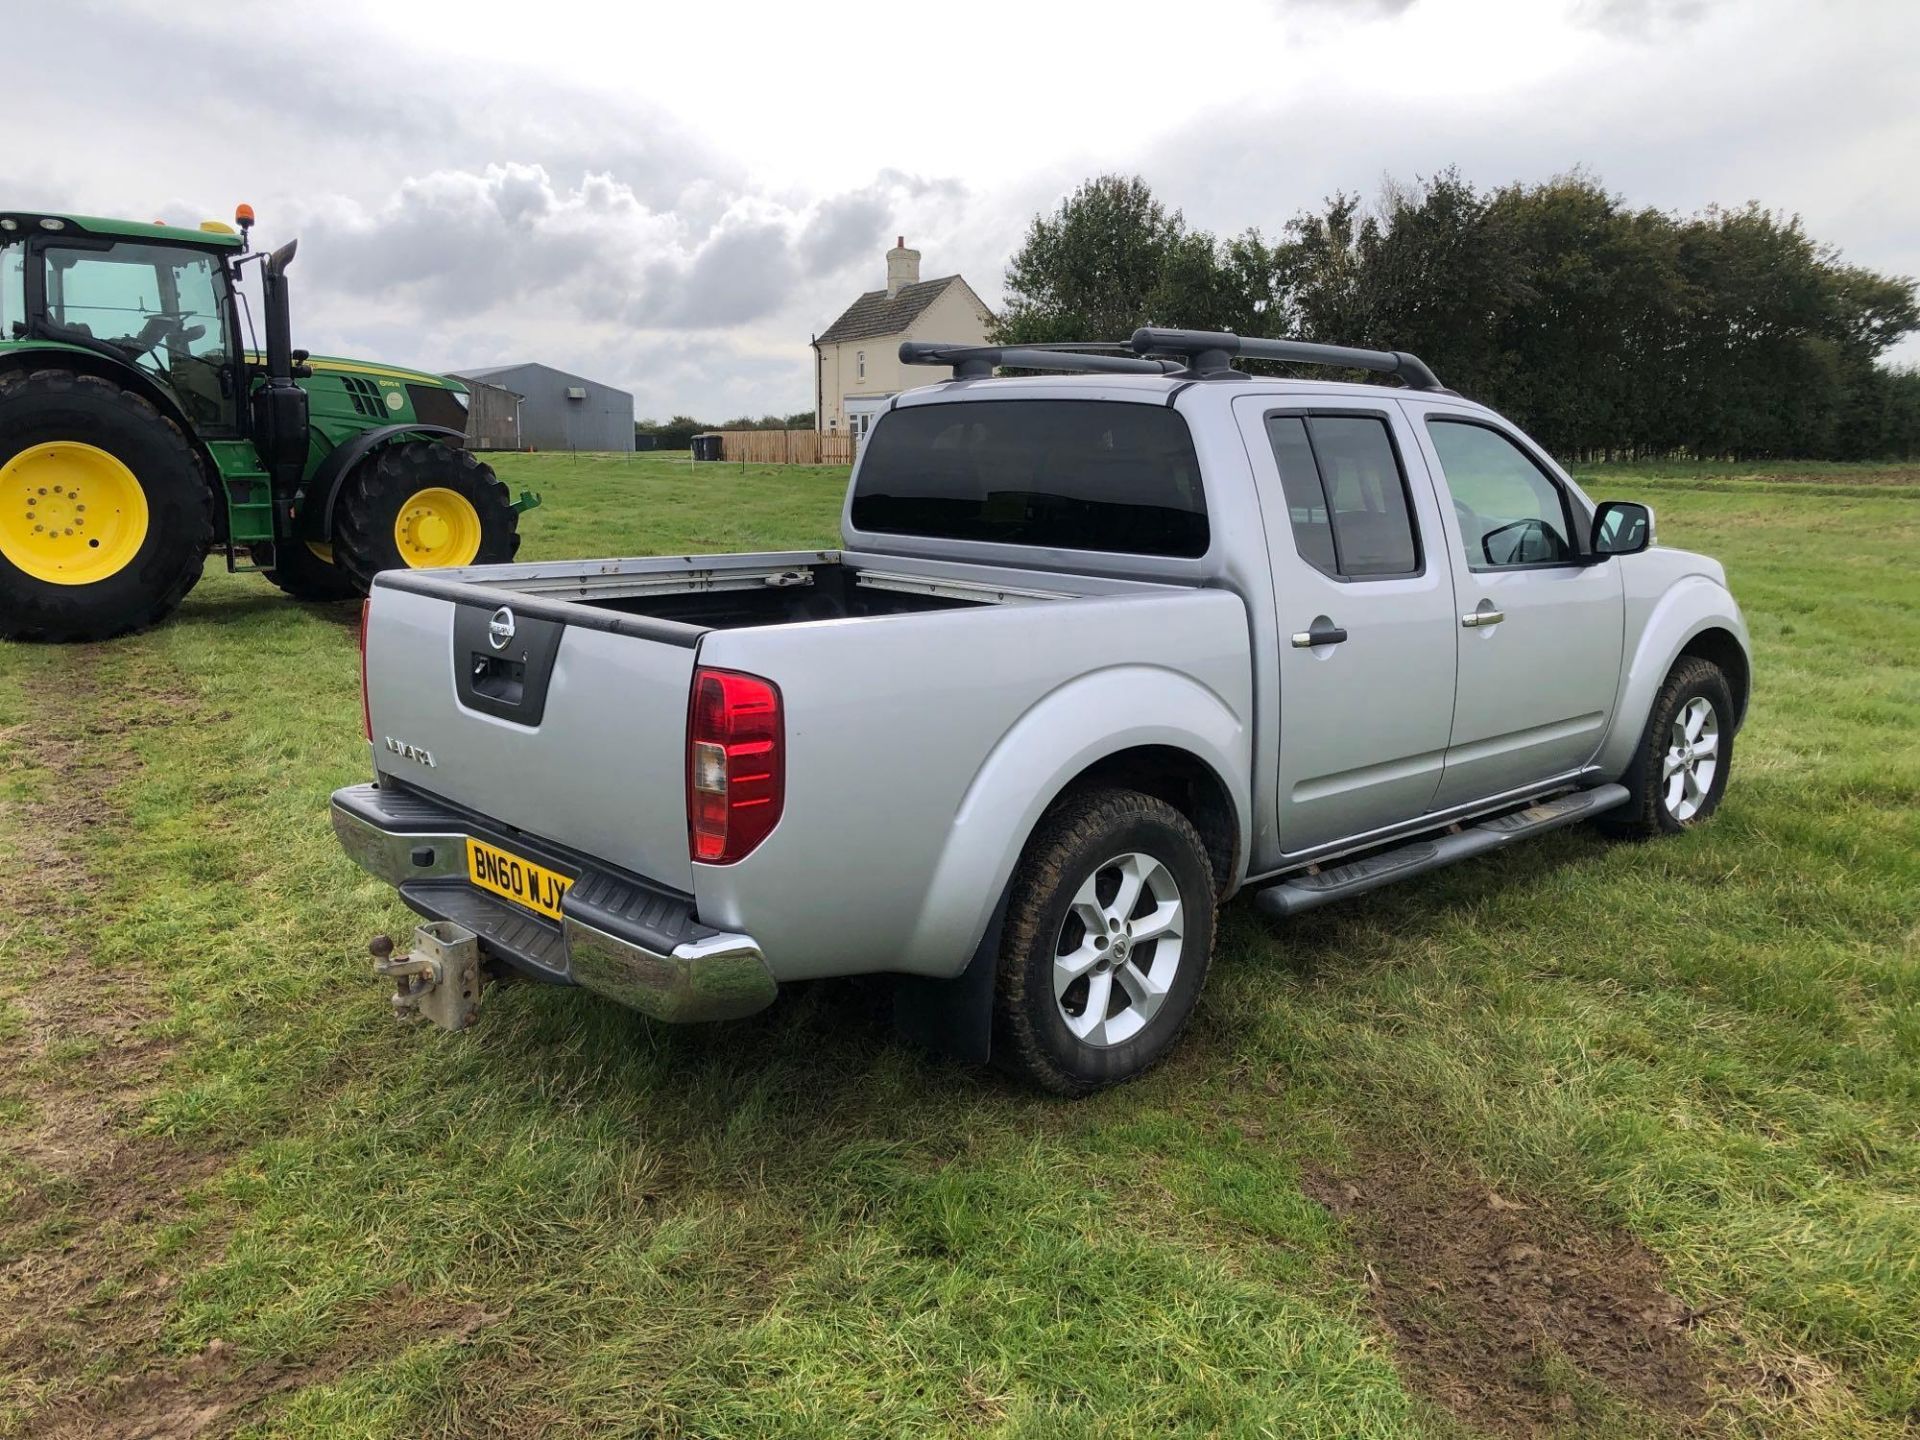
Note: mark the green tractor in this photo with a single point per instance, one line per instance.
(138, 431)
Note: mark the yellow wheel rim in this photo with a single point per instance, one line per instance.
(322, 551)
(437, 526)
(70, 514)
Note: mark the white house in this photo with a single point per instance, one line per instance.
(857, 365)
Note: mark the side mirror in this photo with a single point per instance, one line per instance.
(1621, 527)
(1523, 542)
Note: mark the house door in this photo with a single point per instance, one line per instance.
(860, 417)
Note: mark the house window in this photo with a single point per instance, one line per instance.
(860, 363)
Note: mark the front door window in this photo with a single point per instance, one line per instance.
(162, 307)
(1510, 513)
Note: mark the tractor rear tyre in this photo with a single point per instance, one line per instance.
(306, 573)
(105, 512)
(420, 504)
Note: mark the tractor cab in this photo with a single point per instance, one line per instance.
(156, 297)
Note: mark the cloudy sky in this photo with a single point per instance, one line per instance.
(672, 199)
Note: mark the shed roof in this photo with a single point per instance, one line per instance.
(492, 374)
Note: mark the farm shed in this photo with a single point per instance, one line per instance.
(560, 411)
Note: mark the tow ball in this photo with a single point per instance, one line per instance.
(439, 978)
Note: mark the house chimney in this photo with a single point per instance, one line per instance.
(903, 267)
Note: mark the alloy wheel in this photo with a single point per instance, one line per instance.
(1692, 759)
(1118, 949)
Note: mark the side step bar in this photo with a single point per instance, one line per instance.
(1356, 877)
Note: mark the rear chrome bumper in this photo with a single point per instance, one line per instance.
(620, 937)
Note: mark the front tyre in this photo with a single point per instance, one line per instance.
(1680, 770)
(419, 504)
(105, 513)
(1108, 935)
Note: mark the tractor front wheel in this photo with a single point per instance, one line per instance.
(105, 513)
(420, 504)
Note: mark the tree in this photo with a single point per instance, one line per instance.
(674, 434)
(1110, 259)
(1603, 330)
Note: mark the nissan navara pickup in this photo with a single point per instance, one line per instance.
(1100, 648)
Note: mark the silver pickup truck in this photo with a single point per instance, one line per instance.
(1100, 649)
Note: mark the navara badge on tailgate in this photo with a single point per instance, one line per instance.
(409, 752)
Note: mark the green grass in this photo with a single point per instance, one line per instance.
(796, 1226)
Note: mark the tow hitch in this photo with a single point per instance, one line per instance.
(439, 978)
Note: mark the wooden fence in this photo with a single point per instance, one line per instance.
(785, 447)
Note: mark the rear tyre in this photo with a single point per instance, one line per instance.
(105, 512)
(419, 504)
(305, 575)
(1680, 770)
(1108, 935)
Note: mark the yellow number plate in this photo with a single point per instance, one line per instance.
(521, 881)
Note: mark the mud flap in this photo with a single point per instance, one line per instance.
(954, 1017)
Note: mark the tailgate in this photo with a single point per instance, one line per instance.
(572, 727)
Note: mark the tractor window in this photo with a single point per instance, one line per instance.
(13, 298)
(164, 308)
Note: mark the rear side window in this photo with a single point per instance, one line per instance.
(1065, 474)
(1346, 494)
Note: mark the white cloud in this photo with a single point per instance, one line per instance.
(673, 200)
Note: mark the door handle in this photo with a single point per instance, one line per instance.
(1474, 619)
(1321, 634)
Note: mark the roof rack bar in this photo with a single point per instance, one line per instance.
(977, 362)
(1210, 352)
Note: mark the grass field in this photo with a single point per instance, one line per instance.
(1583, 1139)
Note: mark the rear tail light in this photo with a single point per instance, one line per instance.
(736, 765)
(366, 707)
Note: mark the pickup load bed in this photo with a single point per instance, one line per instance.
(1098, 651)
(835, 633)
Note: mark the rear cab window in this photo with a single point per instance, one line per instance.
(1103, 475)
(1346, 494)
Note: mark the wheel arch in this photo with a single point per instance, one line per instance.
(1720, 646)
(1694, 617)
(1191, 753)
(329, 478)
(1179, 741)
(1187, 783)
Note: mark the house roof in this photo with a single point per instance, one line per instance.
(877, 313)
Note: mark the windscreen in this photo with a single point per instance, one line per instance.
(1065, 474)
